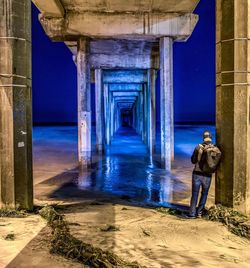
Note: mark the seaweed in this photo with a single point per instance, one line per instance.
(12, 213)
(110, 228)
(236, 222)
(10, 237)
(169, 211)
(64, 244)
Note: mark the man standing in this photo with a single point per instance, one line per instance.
(206, 157)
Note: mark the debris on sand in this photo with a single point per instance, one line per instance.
(12, 213)
(110, 228)
(169, 211)
(10, 237)
(64, 244)
(95, 203)
(145, 232)
(236, 222)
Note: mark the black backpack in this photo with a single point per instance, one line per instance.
(210, 158)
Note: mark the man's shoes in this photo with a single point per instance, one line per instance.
(188, 216)
(199, 216)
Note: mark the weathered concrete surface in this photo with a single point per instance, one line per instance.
(84, 103)
(233, 102)
(16, 184)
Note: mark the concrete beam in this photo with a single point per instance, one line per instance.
(180, 6)
(125, 99)
(125, 77)
(124, 61)
(125, 87)
(51, 8)
(125, 94)
(121, 54)
(130, 26)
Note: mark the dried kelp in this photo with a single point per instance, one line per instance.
(236, 222)
(63, 243)
(169, 211)
(110, 228)
(12, 213)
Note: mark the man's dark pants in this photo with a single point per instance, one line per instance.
(203, 182)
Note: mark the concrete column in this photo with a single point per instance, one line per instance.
(112, 116)
(151, 122)
(99, 110)
(145, 114)
(84, 103)
(134, 116)
(167, 118)
(233, 103)
(16, 182)
(141, 117)
(107, 113)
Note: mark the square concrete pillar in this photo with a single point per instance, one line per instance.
(84, 103)
(145, 114)
(166, 102)
(151, 122)
(233, 103)
(99, 104)
(107, 113)
(16, 181)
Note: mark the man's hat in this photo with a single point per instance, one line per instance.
(207, 136)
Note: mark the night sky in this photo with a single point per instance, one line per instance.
(55, 85)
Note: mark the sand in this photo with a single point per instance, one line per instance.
(144, 235)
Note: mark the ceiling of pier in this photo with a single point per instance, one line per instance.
(180, 6)
(66, 20)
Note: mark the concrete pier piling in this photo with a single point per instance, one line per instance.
(16, 182)
(233, 103)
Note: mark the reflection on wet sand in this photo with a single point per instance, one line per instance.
(125, 170)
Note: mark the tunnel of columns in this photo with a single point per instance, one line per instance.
(125, 98)
(120, 46)
(124, 92)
